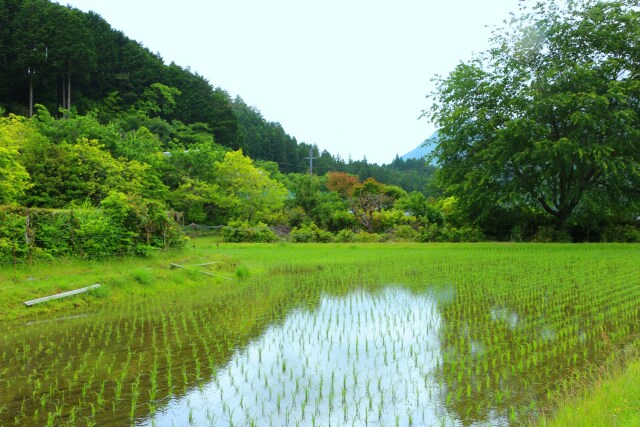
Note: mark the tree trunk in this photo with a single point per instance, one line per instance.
(30, 92)
(64, 92)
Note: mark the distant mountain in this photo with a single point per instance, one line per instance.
(425, 148)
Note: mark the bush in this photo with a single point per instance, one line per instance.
(550, 234)
(242, 272)
(12, 230)
(310, 233)
(238, 231)
(463, 234)
(403, 233)
(364, 237)
(345, 236)
(123, 225)
(434, 233)
(429, 233)
(621, 233)
(389, 219)
(342, 220)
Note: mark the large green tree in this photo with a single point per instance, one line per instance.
(548, 119)
(253, 195)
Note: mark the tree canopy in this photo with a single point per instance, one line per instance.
(547, 122)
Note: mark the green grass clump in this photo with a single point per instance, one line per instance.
(610, 398)
(143, 276)
(242, 272)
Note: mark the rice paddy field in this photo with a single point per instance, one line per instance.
(315, 335)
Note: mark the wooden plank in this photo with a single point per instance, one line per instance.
(215, 275)
(60, 295)
(174, 265)
(206, 263)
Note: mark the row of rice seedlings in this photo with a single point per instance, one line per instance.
(71, 368)
(508, 334)
(516, 352)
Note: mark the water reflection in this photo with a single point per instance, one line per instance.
(355, 360)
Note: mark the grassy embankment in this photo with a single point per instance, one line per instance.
(611, 398)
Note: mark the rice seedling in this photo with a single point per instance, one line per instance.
(479, 333)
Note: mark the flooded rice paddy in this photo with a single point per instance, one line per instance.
(475, 337)
(355, 360)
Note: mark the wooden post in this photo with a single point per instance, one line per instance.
(193, 236)
(71, 228)
(15, 262)
(27, 235)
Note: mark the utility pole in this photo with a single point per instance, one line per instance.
(311, 158)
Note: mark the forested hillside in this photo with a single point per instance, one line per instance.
(93, 122)
(61, 57)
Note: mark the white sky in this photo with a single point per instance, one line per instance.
(350, 76)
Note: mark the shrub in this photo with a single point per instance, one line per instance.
(310, 233)
(364, 237)
(429, 233)
(550, 234)
(242, 272)
(123, 225)
(345, 236)
(393, 218)
(238, 231)
(403, 232)
(621, 233)
(434, 233)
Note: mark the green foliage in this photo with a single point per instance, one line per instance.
(403, 233)
(67, 173)
(238, 231)
(14, 179)
(540, 130)
(75, 127)
(388, 219)
(158, 99)
(201, 202)
(365, 237)
(436, 233)
(416, 204)
(12, 230)
(123, 225)
(548, 118)
(143, 276)
(370, 198)
(242, 272)
(621, 233)
(310, 233)
(345, 236)
(141, 145)
(545, 234)
(341, 219)
(253, 196)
